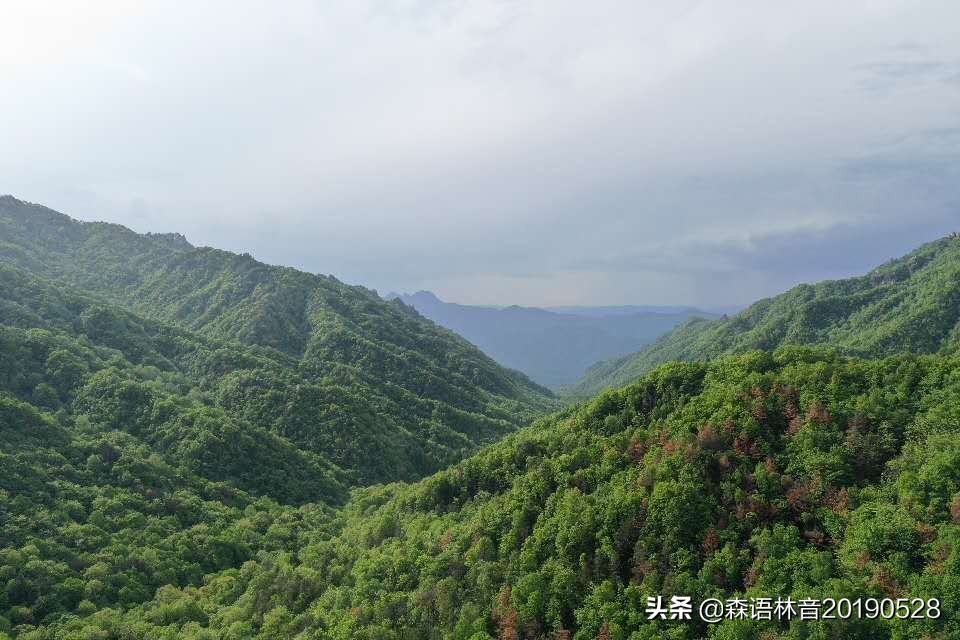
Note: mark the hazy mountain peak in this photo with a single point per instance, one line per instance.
(425, 296)
(552, 348)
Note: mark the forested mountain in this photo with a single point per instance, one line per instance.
(798, 474)
(188, 442)
(907, 305)
(370, 386)
(553, 348)
(159, 404)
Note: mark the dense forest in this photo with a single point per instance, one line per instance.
(911, 304)
(370, 386)
(147, 444)
(197, 445)
(798, 473)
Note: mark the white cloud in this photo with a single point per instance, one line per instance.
(496, 150)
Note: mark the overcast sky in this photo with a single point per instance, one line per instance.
(554, 152)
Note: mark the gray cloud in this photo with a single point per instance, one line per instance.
(886, 76)
(500, 151)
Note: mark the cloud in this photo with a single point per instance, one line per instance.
(880, 77)
(495, 150)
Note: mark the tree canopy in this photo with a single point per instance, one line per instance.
(197, 445)
(798, 474)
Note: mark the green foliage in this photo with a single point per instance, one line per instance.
(368, 385)
(97, 519)
(188, 439)
(168, 414)
(907, 305)
(741, 476)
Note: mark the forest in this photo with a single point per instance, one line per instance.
(199, 445)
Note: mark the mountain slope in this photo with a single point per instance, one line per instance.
(121, 469)
(799, 474)
(370, 385)
(907, 305)
(552, 348)
(92, 520)
(154, 429)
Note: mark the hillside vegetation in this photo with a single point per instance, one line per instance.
(798, 473)
(197, 445)
(150, 437)
(907, 305)
(370, 385)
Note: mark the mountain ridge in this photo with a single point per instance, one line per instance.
(552, 348)
(798, 474)
(166, 471)
(419, 379)
(908, 304)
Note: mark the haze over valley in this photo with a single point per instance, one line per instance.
(552, 346)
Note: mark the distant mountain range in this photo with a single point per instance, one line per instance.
(552, 346)
(911, 304)
(633, 309)
(194, 444)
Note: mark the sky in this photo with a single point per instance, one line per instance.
(500, 151)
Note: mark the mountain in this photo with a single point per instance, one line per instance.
(552, 348)
(169, 412)
(907, 305)
(797, 475)
(190, 441)
(371, 387)
(634, 309)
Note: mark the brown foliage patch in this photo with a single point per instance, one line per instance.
(818, 413)
(955, 509)
(838, 499)
(711, 541)
(636, 450)
(709, 439)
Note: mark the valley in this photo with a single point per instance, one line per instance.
(198, 445)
